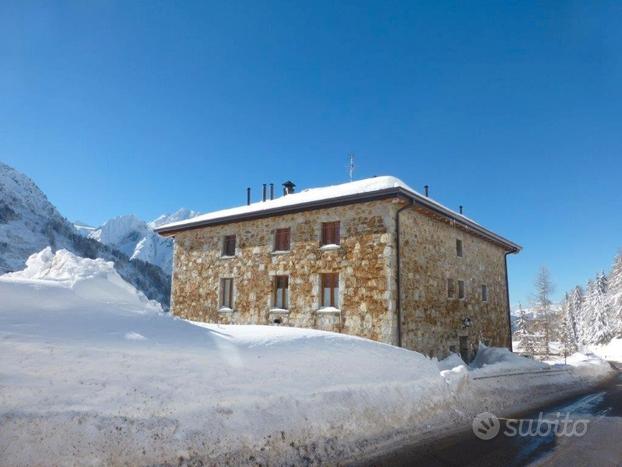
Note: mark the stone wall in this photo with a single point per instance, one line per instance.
(432, 322)
(365, 261)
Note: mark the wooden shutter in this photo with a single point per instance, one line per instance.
(330, 233)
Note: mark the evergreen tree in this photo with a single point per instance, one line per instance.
(523, 332)
(596, 327)
(544, 321)
(567, 334)
(602, 331)
(575, 308)
(615, 295)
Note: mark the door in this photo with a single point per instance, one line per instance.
(464, 348)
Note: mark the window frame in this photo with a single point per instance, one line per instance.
(334, 233)
(461, 289)
(484, 292)
(284, 293)
(278, 236)
(451, 288)
(226, 299)
(226, 243)
(329, 280)
(459, 248)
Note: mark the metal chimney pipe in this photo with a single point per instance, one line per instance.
(272, 191)
(264, 191)
(248, 196)
(461, 209)
(426, 190)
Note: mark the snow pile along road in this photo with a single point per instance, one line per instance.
(92, 372)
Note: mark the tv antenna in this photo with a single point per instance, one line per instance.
(351, 166)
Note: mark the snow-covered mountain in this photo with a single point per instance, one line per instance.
(179, 215)
(29, 223)
(136, 238)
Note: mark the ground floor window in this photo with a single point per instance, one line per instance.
(226, 293)
(281, 292)
(330, 289)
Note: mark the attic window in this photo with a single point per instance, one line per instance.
(330, 233)
(459, 247)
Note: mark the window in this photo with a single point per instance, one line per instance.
(330, 233)
(451, 288)
(281, 292)
(484, 293)
(459, 248)
(330, 290)
(281, 239)
(228, 245)
(460, 289)
(226, 293)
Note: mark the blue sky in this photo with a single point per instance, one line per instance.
(513, 109)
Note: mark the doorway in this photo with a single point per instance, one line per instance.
(464, 348)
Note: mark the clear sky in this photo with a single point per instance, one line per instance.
(513, 109)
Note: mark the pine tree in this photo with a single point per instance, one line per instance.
(523, 332)
(601, 326)
(542, 299)
(575, 305)
(615, 294)
(596, 328)
(567, 334)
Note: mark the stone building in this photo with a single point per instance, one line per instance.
(372, 258)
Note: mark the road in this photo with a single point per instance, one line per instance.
(598, 414)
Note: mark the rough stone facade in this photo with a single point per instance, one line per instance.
(432, 322)
(366, 261)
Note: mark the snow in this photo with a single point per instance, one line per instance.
(179, 215)
(30, 223)
(496, 360)
(452, 361)
(92, 372)
(611, 351)
(137, 239)
(367, 185)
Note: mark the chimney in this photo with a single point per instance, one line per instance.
(272, 191)
(426, 189)
(288, 187)
(461, 209)
(248, 196)
(264, 191)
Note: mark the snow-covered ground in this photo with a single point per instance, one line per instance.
(611, 351)
(92, 372)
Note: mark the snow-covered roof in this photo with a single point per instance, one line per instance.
(313, 198)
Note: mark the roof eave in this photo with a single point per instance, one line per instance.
(509, 246)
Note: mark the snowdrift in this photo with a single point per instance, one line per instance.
(93, 372)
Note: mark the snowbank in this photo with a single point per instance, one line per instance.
(89, 279)
(611, 351)
(490, 360)
(452, 361)
(92, 372)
